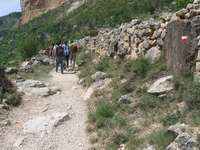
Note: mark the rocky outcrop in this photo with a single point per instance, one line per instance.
(178, 54)
(183, 141)
(36, 88)
(32, 8)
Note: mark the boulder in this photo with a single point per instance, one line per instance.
(162, 85)
(153, 54)
(124, 98)
(182, 142)
(45, 124)
(96, 85)
(177, 128)
(11, 70)
(98, 76)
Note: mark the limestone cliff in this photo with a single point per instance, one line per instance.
(32, 8)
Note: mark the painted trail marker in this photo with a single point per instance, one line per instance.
(184, 39)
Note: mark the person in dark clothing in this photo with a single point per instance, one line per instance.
(59, 57)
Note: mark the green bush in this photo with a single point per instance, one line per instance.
(12, 98)
(140, 66)
(103, 64)
(28, 47)
(104, 110)
(182, 3)
(103, 122)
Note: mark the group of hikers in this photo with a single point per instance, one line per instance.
(64, 54)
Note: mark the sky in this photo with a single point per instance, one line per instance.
(9, 6)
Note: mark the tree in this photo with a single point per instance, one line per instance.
(28, 47)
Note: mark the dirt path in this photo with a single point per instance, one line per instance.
(70, 135)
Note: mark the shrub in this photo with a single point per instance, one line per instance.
(182, 3)
(28, 47)
(12, 98)
(140, 66)
(104, 110)
(103, 64)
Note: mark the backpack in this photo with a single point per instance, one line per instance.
(66, 51)
(74, 48)
(60, 51)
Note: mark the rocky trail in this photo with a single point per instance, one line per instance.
(55, 122)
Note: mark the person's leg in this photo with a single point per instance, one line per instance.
(71, 58)
(57, 63)
(74, 60)
(61, 65)
(54, 54)
(51, 55)
(67, 61)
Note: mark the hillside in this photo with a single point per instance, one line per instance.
(8, 22)
(86, 20)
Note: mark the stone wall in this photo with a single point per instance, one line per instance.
(152, 39)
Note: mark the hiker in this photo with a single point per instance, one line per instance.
(73, 51)
(51, 50)
(54, 49)
(67, 54)
(59, 57)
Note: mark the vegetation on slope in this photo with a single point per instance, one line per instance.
(141, 120)
(86, 20)
(8, 22)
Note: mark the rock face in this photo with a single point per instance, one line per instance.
(32, 8)
(179, 55)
